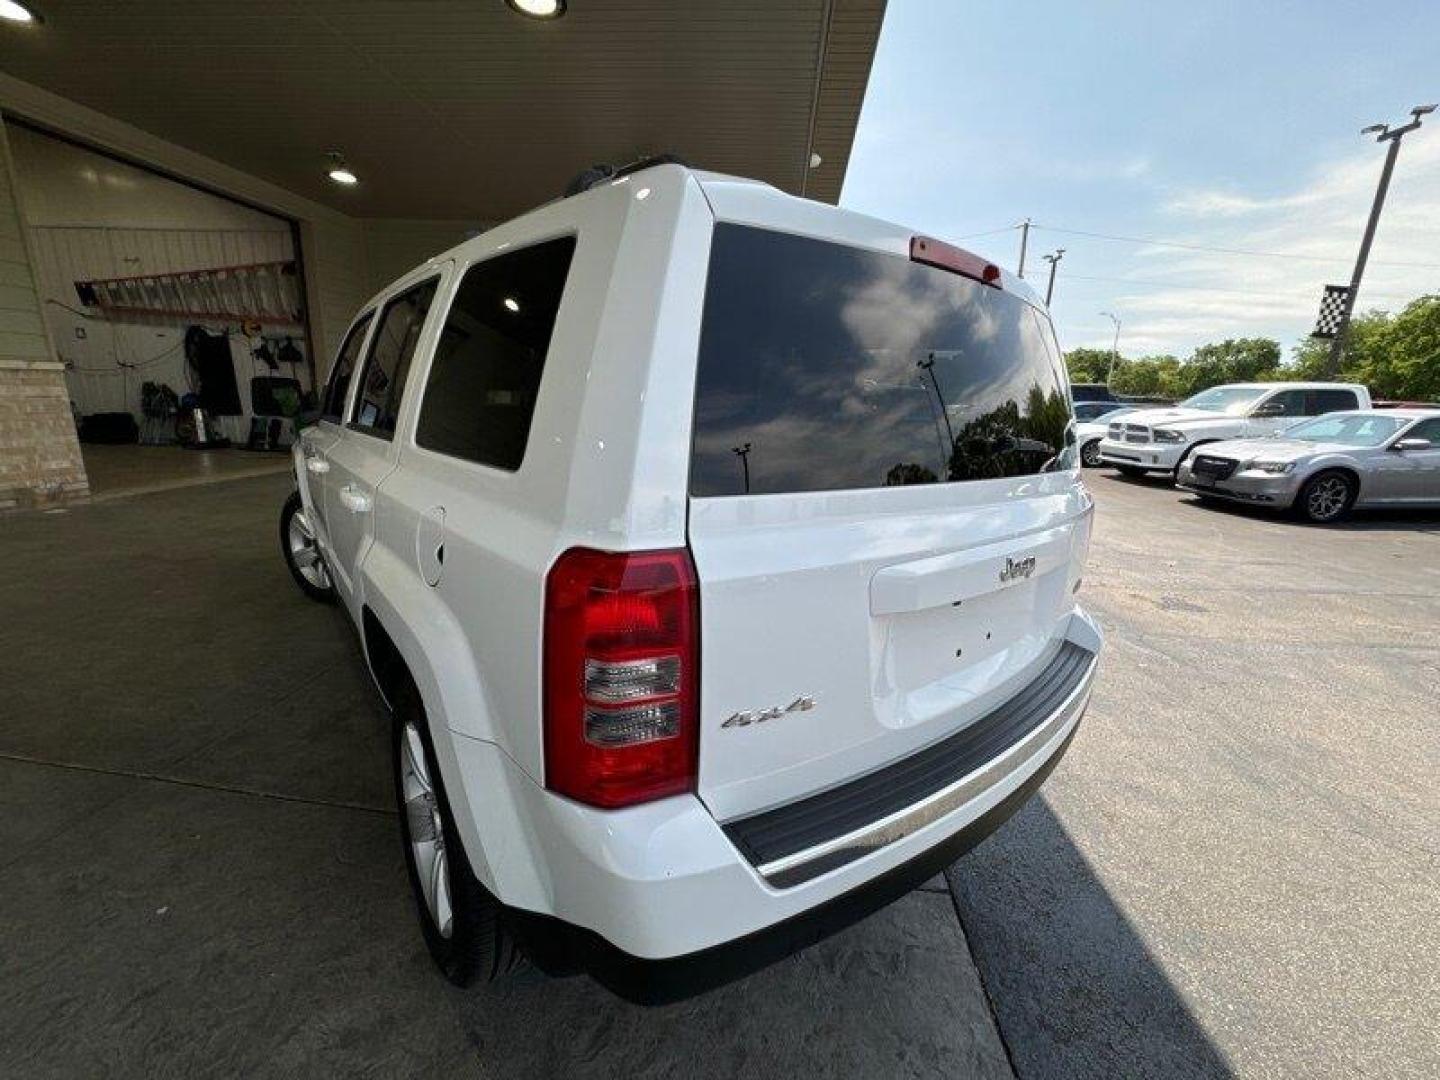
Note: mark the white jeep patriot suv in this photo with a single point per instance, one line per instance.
(1161, 440)
(715, 551)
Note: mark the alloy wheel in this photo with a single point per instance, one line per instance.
(1327, 498)
(426, 830)
(1090, 454)
(305, 553)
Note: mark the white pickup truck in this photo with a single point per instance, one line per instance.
(1159, 440)
(716, 552)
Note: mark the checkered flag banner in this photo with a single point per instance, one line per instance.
(1332, 307)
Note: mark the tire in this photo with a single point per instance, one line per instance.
(1131, 471)
(1090, 454)
(302, 554)
(1327, 497)
(465, 931)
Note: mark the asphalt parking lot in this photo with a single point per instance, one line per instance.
(1233, 872)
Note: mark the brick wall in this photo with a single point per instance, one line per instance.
(39, 455)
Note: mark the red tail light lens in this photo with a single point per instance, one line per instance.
(621, 675)
(949, 257)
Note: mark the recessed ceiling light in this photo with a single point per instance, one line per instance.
(511, 304)
(338, 171)
(538, 9)
(14, 11)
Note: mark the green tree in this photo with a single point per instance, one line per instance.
(1229, 361)
(1088, 365)
(1396, 356)
(1148, 376)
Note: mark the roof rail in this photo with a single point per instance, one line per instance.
(598, 174)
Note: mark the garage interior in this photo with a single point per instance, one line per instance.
(191, 148)
(162, 299)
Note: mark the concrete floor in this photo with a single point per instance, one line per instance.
(1238, 865)
(133, 470)
(1233, 871)
(200, 872)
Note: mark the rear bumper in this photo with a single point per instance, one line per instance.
(561, 948)
(658, 901)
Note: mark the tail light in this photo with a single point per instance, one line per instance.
(949, 257)
(621, 676)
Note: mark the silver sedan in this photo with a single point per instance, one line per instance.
(1324, 468)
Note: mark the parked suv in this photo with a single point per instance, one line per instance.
(1159, 440)
(716, 552)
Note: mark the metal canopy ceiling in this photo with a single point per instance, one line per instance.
(461, 108)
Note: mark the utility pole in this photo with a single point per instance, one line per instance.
(1114, 348)
(1382, 133)
(1024, 242)
(1054, 261)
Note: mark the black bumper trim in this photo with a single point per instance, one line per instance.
(818, 819)
(560, 948)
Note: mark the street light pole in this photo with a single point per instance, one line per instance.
(743, 453)
(928, 366)
(1382, 133)
(1114, 348)
(1024, 242)
(1054, 261)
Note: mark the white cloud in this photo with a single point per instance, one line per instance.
(1185, 297)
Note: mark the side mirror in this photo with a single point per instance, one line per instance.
(1412, 444)
(1269, 408)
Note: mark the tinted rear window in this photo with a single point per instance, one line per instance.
(824, 367)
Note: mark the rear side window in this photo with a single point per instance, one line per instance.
(339, 384)
(480, 398)
(1326, 401)
(1426, 429)
(825, 367)
(388, 365)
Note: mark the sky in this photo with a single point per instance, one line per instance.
(1212, 125)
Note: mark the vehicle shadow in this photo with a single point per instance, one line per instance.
(1386, 520)
(1076, 991)
(1150, 480)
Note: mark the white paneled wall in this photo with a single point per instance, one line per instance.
(90, 217)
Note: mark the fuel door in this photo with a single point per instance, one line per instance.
(430, 544)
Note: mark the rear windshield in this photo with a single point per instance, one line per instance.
(824, 367)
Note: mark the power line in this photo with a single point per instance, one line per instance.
(1224, 250)
(1237, 292)
(988, 232)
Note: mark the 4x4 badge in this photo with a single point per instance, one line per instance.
(1022, 569)
(759, 716)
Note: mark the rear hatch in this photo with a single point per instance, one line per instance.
(884, 515)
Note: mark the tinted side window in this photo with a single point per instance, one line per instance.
(1426, 429)
(339, 384)
(388, 365)
(485, 377)
(1325, 401)
(1291, 402)
(825, 367)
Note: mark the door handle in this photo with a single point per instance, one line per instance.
(354, 500)
(317, 465)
